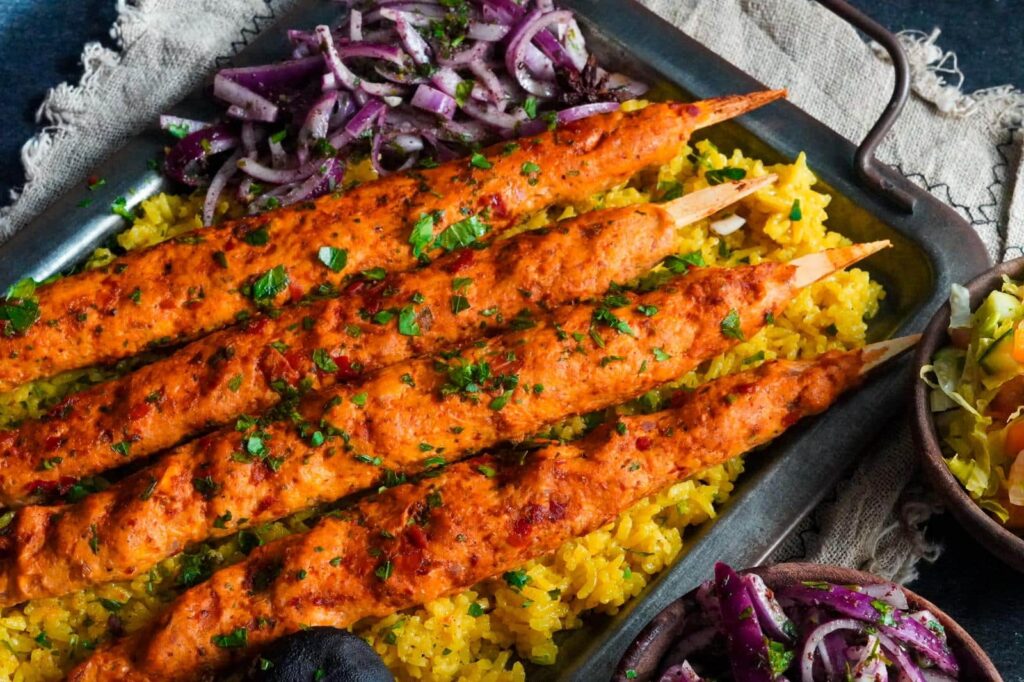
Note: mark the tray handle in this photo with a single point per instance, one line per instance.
(868, 167)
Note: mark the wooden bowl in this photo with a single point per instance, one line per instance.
(1006, 545)
(655, 640)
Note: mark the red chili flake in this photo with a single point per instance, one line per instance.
(52, 443)
(556, 510)
(460, 262)
(296, 292)
(255, 325)
(345, 370)
(295, 359)
(230, 245)
(693, 110)
(373, 297)
(268, 501)
(51, 489)
(744, 389)
(140, 411)
(496, 204)
(644, 443)
(168, 304)
(417, 537)
(63, 408)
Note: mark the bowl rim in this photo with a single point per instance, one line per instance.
(998, 540)
(973, 660)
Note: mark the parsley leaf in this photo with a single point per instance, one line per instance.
(270, 284)
(407, 325)
(730, 326)
(720, 175)
(335, 259)
(236, 639)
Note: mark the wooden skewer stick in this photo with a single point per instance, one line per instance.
(810, 269)
(881, 352)
(707, 202)
(720, 109)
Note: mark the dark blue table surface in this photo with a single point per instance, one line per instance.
(40, 45)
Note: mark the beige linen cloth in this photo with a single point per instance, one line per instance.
(960, 147)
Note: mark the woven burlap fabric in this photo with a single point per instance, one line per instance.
(966, 157)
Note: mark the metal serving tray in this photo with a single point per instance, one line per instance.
(933, 248)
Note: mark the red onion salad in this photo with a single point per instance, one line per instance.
(735, 627)
(407, 83)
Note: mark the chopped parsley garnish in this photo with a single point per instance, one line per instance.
(756, 357)
(374, 274)
(359, 399)
(517, 579)
(422, 233)
(648, 310)
(236, 639)
(111, 605)
(460, 283)
(530, 168)
(669, 190)
(462, 233)
(258, 236)
(235, 383)
(136, 295)
(680, 264)
(222, 520)
(885, 612)
(205, 486)
(778, 657)
(606, 317)
(530, 106)
(500, 401)
(795, 213)
(661, 356)
(123, 448)
(94, 539)
(730, 326)
(480, 161)
(486, 471)
(43, 640)
(458, 304)
(323, 361)
(120, 207)
(462, 92)
(270, 284)
(20, 311)
(333, 258)
(384, 570)
(720, 175)
(475, 610)
(407, 325)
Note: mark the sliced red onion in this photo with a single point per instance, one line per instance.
(816, 637)
(503, 11)
(365, 118)
(681, 673)
(489, 81)
(326, 179)
(247, 103)
(187, 159)
(249, 137)
(569, 115)
(625, 87)
(188, 125)
(575, 45)
(268, 79)
(476, 52)
(407, 144)
(414, 43)
(890, 593)
(317, 120)
(420, 13)
(520, 40)
(487, 32)
(900, 659)
(278, 157)
(727, 224)
(554, 50)
(217, 185)
(405, 75)
(388, 53)
(748, 651)
(278, 176)
(773, 619)
(493, 117)
(355, 25)
(446, 80)
(857, 605)
(869, 666)
(342, 74)
(434, 101)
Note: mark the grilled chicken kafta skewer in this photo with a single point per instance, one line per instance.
(400, 420)
(475, 519)
(232, 372)
(202, 281)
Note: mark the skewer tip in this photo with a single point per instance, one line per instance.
(706, 202)
(876, 354)
(811, 268)
(720, 109)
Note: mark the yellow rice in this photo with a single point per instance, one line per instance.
(599, 572)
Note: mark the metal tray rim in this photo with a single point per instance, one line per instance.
(52, 243)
